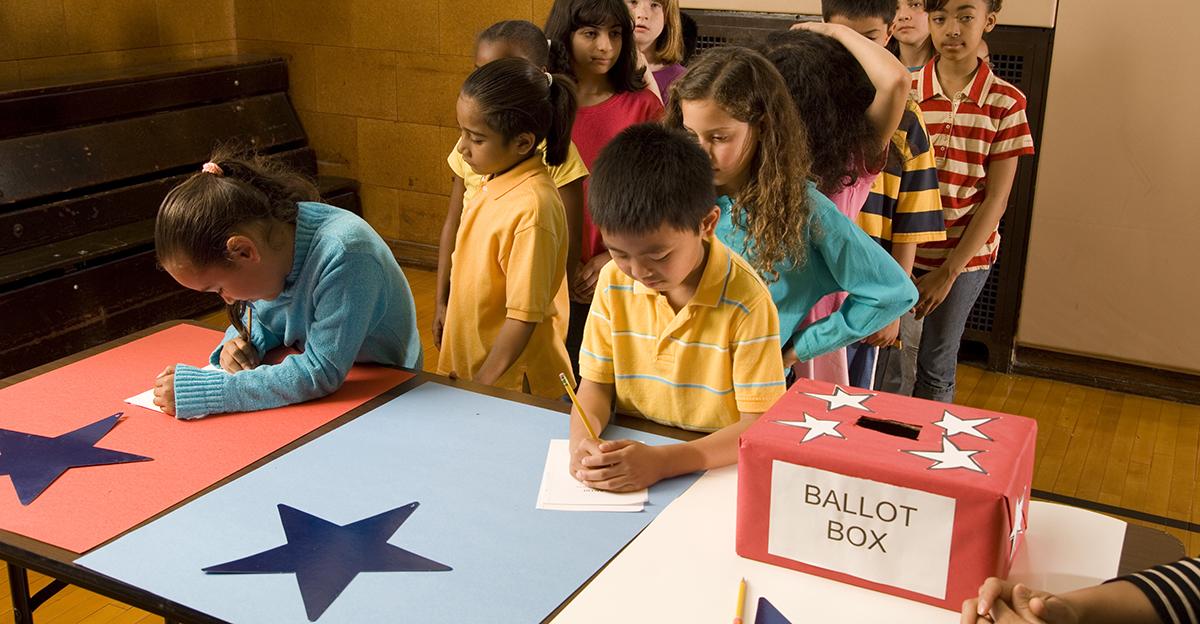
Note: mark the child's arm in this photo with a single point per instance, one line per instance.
(596, 399)
(904, 254)
(445, 251)
(935, 285)
(348, 290)
(626, 465)
(510, 343)
(572, 199)
(888, 75)
(878, 290)
(1003, 602)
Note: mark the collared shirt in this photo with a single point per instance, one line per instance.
(969, 130)
(698, 368)
(905, 205)
(570, 170)
(509, 261)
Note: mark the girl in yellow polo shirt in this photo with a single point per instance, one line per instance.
(506, 316)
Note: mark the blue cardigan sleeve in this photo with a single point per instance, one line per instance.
(347, 296)
(878, 291)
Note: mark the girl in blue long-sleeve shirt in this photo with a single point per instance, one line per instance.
(316, 278)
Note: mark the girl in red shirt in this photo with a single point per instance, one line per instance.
(592, 41)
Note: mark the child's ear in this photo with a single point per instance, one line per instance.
(525, 143)
(241, 248)
(990, 22)
(709, 224)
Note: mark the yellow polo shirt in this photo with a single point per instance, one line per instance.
(570, 170)
(697, 369)
(510, 261)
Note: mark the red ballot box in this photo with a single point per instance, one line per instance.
(914, 498)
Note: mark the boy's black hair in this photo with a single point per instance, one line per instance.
(993, 6)
(854, 9)
(650, 175)
(523, 36)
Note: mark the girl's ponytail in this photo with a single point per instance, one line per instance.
(563, 103)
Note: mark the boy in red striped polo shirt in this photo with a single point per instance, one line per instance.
(977, 127)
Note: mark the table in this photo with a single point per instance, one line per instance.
(1143, 546)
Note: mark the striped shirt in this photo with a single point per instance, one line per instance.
(983, 123)
(1173, 589)
(695, 369)
(904, 205)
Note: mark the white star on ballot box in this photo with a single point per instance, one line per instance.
(816, 427)
(950, 457)
(840, 398)
(1018, 527)
(969, 426)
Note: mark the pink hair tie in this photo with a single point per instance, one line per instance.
(213, 168)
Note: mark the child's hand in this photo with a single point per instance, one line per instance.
(238, 355)
(790, 357)
(164, 390)
(933, 287)
(1005, 603)
(585, 280)
(439, 323)
(885, 337)
(586, 447)
(622, 466)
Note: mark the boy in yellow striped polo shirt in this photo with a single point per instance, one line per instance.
(682, 330)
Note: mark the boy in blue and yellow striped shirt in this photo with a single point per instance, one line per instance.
(682, 330)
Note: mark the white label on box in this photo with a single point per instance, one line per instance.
(875, 531)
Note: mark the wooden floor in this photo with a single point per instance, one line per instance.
(1120, 450)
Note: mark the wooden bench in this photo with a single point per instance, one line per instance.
(84, 166)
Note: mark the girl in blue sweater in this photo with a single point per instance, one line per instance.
(736, 105)
(292, 272)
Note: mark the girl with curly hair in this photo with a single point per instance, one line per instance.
(736, 105)
(850, 94)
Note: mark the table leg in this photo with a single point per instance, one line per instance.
(18, 584)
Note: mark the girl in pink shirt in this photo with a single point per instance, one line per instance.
(592, 41)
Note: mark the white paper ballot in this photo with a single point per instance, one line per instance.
(146, 399)
(561, 492)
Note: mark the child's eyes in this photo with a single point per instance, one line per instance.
(966, 18)
(661, 258)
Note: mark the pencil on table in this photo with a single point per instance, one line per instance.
(575, 400)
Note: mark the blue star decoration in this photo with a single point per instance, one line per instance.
(326, 557)
(33, 462)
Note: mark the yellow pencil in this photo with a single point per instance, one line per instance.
(582, 415)
(741, 604)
